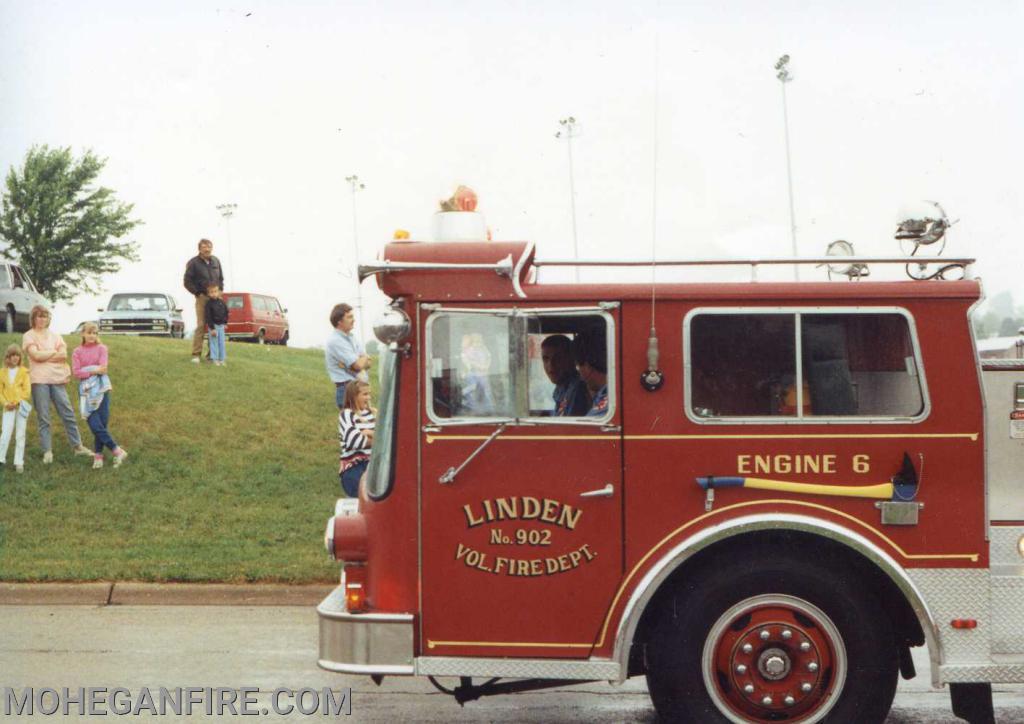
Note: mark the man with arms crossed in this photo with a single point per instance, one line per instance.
(344, 352)
(201, 271)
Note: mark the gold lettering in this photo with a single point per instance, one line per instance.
(829, 463)
(522, 568)
(470, 520)
(563, 562)
(537, 567)
(575, 557)
(861, 463)
(488, 510)
(500, 563)
(508, 509)
(810, 464)
(463, 550)
(743, 464)
(531, 508)
(570, 517)
(552, 565)
(587, 552)
(550, 508)
(783, 464)
(762, 464)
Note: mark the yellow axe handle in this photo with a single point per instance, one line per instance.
(880, 491)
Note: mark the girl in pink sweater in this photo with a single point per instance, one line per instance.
(89, 363)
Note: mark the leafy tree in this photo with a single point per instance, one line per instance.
(62, 228)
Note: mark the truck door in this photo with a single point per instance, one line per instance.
(521, 503)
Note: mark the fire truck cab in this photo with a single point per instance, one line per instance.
(769, 493)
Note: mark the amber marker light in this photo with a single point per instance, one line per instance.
(964, 623)
(1020, 546)
(355, 588)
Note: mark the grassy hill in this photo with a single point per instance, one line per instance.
(231, 476)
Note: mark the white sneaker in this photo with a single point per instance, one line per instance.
(195, 360)
(97, 463)
(47, 457)
(82, 450)
(118, 459)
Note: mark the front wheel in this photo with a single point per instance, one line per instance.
(770, 640)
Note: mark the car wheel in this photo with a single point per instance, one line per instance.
(768, 640)
(284, 340)
(9, 319)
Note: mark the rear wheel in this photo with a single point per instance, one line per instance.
(769, 640)
(284, 339)
(9, 319)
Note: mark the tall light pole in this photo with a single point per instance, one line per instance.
(227, 211)
(356, 185)
(570, 131)
(784, 76)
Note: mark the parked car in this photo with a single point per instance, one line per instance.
(256, 318)
(17, 295)
(142, 313)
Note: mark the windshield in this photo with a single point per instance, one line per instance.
(138, 303)
(381, 471)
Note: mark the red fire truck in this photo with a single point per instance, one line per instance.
(775, 491)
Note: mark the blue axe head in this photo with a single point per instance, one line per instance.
(904, 483)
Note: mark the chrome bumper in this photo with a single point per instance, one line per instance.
(363, 643)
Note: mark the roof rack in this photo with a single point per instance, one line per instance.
(922, 263)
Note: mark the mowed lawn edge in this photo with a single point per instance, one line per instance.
(231, 475)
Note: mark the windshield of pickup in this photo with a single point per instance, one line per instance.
(381, 471)
(138, 303)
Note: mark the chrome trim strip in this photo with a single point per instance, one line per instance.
(582, 669)
(652, 580)
(335, 615)
(365, 669)
(386, 266)
(984, 406)
(518, 269)
(797, 312)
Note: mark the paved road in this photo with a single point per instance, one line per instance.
(179, 646)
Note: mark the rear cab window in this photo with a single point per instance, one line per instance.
(812, 365)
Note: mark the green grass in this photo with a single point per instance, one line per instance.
(231, 476)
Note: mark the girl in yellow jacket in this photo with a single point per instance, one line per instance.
(15, 392)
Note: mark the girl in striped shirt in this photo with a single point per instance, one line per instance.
(355, 433)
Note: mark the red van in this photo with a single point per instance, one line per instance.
(256, 318)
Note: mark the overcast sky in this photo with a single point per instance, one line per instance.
(271, 105)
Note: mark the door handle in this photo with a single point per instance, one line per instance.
(606, 492)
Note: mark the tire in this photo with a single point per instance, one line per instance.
(9, 319)
(284, 339)
(814, 646)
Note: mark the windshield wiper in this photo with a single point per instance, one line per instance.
(450, 473)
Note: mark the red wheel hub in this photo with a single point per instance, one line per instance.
(775, 658)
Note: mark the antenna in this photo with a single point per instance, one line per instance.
(784, 76)
(227, 211)
(570, 130)
(652, 378)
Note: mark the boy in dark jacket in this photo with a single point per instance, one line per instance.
(216, 318)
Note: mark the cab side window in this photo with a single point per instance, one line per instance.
(469, 366)
(803, 365)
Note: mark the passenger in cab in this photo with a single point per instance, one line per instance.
(592, 363)
(570, 395)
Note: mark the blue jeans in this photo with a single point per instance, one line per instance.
(42, 396)
(350, 478)
(217, 343)
(98, 421)
(339, 395)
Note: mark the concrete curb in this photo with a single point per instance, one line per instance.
(161, 594)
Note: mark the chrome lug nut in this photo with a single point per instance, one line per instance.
(789, 700)
(812, 667)
(747, 648)
(741, 669)
(765, 635)
(767, 701)
(805, 647)
(749, 688)
(787, 634)
(805, 688)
